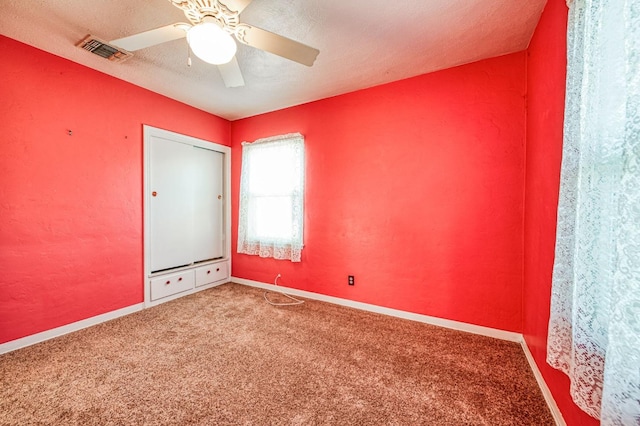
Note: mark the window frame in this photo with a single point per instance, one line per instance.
(265, 246)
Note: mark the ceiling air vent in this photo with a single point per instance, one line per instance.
(103, 49)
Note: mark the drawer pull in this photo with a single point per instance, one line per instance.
(217, 269)
(208, 272)
(180, 279)
(168, 282)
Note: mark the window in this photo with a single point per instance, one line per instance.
(272, 197)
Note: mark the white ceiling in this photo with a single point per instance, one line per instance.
(362, 43)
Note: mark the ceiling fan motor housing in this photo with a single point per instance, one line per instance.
(198, 11)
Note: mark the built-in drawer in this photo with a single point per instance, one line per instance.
(167, 285)
(211, 273)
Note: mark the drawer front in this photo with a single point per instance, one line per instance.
(211, 273)
(171, 284)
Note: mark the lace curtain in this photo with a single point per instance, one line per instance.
(594, 329)
(271, 215)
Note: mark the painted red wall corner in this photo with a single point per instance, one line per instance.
(414, 187)
(546, 80)
(71, 205)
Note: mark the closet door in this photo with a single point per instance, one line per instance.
(208, 225)
(171, 204)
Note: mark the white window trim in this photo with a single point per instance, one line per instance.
(268, 247)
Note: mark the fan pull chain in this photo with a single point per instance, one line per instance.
(188, 55)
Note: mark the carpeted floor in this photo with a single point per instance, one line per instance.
(224, 356)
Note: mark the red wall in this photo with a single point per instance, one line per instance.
(414, 187)
(546, 72)
(71, 206)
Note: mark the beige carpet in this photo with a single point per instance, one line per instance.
(224, 356)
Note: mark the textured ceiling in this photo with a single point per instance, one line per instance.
(362, 43)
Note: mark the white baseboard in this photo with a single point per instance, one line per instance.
(455, 325)
(546, 392)
(69, 328)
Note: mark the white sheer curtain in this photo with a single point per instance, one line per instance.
(594, 329)
(271, 215)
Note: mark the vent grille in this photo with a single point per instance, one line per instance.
(104, 50)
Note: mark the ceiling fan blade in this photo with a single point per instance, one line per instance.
(231, 74)
(236, 5)
(152, 37)
(276, 44)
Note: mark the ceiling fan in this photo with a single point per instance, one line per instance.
(212, 22)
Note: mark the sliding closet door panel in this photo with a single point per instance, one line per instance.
(208, 235)
(171, 204)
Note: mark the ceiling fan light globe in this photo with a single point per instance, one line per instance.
(211, 43)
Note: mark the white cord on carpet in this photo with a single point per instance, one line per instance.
(294, 300)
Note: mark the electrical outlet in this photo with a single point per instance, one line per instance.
(352, 280)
